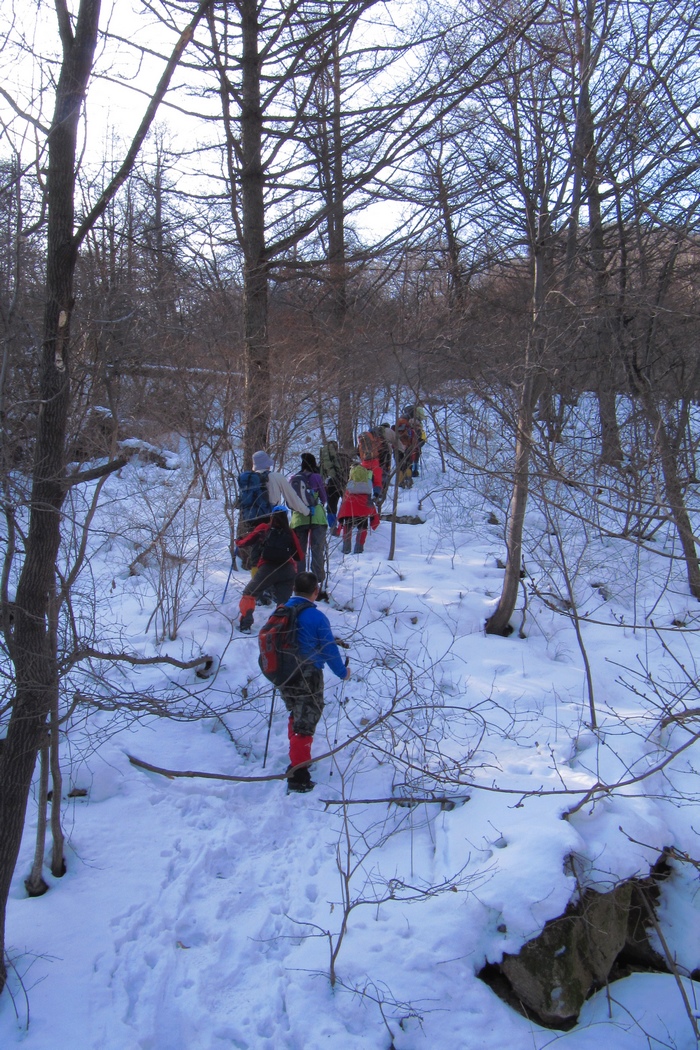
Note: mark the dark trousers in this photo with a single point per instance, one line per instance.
(346, 527)
(334, 491)
(276, 578)
(303, 698)
(316, 534)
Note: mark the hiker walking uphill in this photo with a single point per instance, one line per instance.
(376, 448)
(416, 416)
(311, 528)
(259, 490)
(357, 511)
(303, 693)
(334, 466)
(407, 450)
(279, 555)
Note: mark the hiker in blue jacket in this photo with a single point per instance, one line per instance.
(303, 695)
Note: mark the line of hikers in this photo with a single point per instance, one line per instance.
(344, 493)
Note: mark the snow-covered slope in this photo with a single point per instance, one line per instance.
(200, 914)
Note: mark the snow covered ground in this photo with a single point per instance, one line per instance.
(199, 914)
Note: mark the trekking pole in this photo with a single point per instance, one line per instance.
(341, 704)
(326, 562)
(223, 597)
(269, 725)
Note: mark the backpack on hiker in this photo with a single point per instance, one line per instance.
(360, 481)
(300, 484)
(369, 445)
(330, 462)
(406, 432)
(279, 657)
(278, 546)
(253, 501)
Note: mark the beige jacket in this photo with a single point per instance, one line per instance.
(279, 490)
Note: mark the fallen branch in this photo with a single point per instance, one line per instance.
(139, 661)
(408, 802)
(95, 473)
(191, 774)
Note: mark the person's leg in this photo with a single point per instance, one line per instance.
(304, 701)
(318, 552)
(302, 534)
(334, 491)
(246, 608)
(281, 582)
(255, 586)
(362, 527)
(346, 532)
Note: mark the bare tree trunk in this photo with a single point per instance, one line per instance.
(58, 864)
(337, 257)
(586, 174)
(36, 670)
(674, 491)
(256, 265)
(35, 883)
(611, 447)
(499, 621)
(33, 655)
(35, 667)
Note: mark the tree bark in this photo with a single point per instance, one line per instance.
(256, 263)
(499, 621)
(33, 655)
(35, 883)
(674, 492)
(35, 666)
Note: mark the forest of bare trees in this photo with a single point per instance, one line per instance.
(473, 202)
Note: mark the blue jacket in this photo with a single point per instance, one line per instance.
(315, 639)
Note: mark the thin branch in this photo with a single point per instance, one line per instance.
(398, 800)
(151, 110)
(95, 473)
(136, 661)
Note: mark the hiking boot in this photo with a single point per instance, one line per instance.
(322, 596)
(245, 626)
(300, 780)
(359, 549)
(347, 545)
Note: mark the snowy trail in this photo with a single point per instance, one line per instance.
(196, 913)
(226, 916)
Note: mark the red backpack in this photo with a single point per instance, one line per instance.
(279, 657)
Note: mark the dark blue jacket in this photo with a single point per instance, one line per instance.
(315, 639)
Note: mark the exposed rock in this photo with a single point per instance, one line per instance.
(133, 447)
(553, 974)
(404, 519)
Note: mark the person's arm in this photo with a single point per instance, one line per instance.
(279, 490)
(259, 530)
(328, 649)
(299, 556)
(320, 488)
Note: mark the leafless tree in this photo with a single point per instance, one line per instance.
(30, 646)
